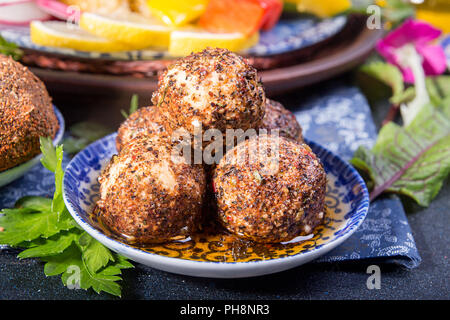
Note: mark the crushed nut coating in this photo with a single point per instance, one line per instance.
(26, 113)
(216, 88)
(278, 117)
(148, 196)
(274, 207)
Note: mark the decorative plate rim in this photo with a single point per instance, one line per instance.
(32, 162)
(361, 208)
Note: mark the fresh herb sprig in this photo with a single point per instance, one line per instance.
(134, 105)
(10, 49)
(82, 134)
(46, 230)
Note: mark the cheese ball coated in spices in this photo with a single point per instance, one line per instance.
(278, 117)
(269, 203)
(26, 113)
(215, 88)
(149, 197)
(144, 121)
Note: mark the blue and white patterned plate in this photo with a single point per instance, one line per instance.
(347, 201)
(12, 174)
(288, 35)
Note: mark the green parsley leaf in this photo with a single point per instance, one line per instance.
(26, 224)
(83, 134)
(95, 255)
(45, 228)
(35, 203)
(52, 160)
(10, 49)
(74, 272)
(51, 246)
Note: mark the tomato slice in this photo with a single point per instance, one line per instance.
(272, 13)
(244, 16)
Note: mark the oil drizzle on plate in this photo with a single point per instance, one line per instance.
(217, 245)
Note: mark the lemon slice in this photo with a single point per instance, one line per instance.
(183, 43)
(322, 8)
(176, 12)
(63, 35)
(132, 29)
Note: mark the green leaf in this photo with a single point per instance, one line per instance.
(412, 160)
(83, 134)
(26, 224)
(90, 131)
(10, 49)
(51, 246)
(49, 159)
(52, 160)
(396, 11)
(95, 255)
(387, 74)
(47, 230)
(134, 105)
(34, 203)
(74, 272)
(438, 89)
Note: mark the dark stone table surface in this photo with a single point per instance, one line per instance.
(431, 280)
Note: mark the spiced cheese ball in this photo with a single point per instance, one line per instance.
(149, 196)
(215, 88)
(278, 117)
(268, 201)
(145, 120)
(26, 113)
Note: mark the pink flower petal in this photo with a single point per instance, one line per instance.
(420, 34)
(434, 60)
(408, 75)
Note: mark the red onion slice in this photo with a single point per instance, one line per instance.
(60, 10)
(20, 12)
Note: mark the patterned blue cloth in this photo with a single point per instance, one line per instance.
(339, 118)
(341, 121)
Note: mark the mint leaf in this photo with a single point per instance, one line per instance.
(95, 255)
(412, 160)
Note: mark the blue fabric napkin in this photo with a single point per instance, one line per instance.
(338, 117)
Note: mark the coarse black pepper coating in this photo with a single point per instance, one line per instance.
(268, 201)
(144, 121)
(26, 113)
(215, 88)
(147, 195)
(278, 117)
